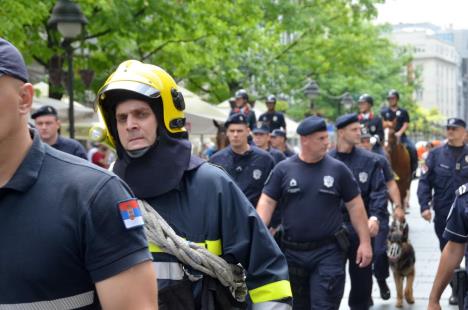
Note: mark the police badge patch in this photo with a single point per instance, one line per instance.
(257, 174)
(275, 118)
(293, 183)
(328, 181)
(398, 113)
(363, 177)
(372, 128)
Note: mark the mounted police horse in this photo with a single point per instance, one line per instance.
(399, 158)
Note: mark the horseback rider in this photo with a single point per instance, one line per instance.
(402, 123)
(370, 121)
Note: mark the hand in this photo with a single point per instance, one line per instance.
(427, 215)
(274, 230)
(373, 227)
(399, 214)
(398, 134)
(364, 254)
(433, 305)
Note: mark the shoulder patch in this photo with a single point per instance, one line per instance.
(130, 213)
(462, 190)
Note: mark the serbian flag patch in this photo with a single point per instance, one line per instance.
(130, 212)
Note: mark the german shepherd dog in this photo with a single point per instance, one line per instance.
(402, 258)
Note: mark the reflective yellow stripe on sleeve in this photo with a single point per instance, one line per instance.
(272, 291)
(214, 246)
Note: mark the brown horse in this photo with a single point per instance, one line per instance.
(399, 159)
(221, 137)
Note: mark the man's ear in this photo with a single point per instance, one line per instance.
(26, 93)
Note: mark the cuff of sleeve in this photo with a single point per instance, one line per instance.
(120, 265)
(455, 237)
(272, 196)
(426, 207)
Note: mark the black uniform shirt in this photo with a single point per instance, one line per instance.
(70, 146)
(62, 231)
(445, 170)
(274, 120)
(249, 170)
(310, 196)
(368, 172)
(402, 117)
(457, 219)
(373, 123)
(276, 154)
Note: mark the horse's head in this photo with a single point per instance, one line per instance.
(221, 136)
(389, 133)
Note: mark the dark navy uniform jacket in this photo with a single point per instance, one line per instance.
(208, 208)
(249, 170)
(274, 120)
(386, 168)
(368, 173)
(70, 146)
(446, 169)
(456, 229)
(402, 117)
(310, 196)
(62, 232)
(276, 154)
(373, 123)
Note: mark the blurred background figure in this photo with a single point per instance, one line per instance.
(101, 156)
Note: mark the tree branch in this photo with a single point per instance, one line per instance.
(163, 45)
(99, 34)
(40, 61)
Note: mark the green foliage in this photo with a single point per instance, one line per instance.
(215, 47)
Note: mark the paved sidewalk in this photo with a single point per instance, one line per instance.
(426, 246)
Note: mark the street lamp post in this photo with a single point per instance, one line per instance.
(311, 90)
(70, 21)
(347, 101)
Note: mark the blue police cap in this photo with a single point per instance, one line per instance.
(235, 118)
(310, 125)
(388, 114)
(278, 133)
(44, 110)
(455, 122)
(345, 120)
(263, 128)
(11, 61)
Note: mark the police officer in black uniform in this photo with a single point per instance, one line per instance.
(372, 122)
(48, 125)
(446, 169)
(67, 238)
(402, 123)
(456, 234)
(279, 140)
(248, 165)
(381, 266)
(311, 187)
(261, 138)
(273, 119)
(368, 172)
(143, 111)
(242, 106)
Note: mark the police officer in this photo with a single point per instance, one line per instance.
(311, 187)
(370, 121)
(381, 266)
(261, 138)
(143, 111)
(456, 234)
(273, 119)
(402, 123)
(446, 169)
(242, 106)
(248, 165)
(65, 243)
(48, 125)
(368, 172)
(279, 140)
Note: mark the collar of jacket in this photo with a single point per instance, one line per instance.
(160, 170)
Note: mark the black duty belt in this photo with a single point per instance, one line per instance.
(307, 246)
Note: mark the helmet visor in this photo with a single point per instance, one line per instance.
(136, 87)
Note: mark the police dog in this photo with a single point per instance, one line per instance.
(402, 258)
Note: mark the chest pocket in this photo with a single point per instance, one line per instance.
(443, 175)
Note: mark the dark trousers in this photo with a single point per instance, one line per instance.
(381, 267)
(361, 278)
(412, 152)
(317, 277)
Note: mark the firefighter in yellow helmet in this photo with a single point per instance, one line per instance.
(143, 112)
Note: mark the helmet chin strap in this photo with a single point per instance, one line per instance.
(138, 153)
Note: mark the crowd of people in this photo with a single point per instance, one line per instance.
(148, 233)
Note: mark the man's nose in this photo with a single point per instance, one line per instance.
(131, 123)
